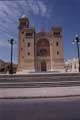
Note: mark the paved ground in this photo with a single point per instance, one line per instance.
(40, 109)
(39, 92)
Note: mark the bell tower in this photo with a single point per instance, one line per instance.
(57, 55)
(25, 46)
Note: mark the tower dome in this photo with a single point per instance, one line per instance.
(23, 22)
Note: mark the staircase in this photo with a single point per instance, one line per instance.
(39, 80)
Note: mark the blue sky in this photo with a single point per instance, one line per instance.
(42, 14)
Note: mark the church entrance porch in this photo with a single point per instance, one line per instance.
(42, 52)
(43, 64)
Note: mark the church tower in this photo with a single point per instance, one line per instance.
(26, 46)
(57, 55)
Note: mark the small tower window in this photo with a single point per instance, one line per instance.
(57, 52)
(22, 32)
(28, 44)
(28, 34)
(56, 33)
(28, 53)
(57, 43)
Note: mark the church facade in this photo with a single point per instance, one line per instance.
(39, 52)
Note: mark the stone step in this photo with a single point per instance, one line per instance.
(38, 84)
(40, 79)
(40, 75)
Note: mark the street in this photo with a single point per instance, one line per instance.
(66, 108)
(39, 97)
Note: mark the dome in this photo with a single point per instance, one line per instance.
(24, 17)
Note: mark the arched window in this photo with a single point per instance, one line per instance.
(43, 48)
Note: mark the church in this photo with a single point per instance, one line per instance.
(39, 51)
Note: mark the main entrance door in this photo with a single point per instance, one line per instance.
(43, 66)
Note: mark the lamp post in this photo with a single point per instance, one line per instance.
(12, 42)
(77, 41)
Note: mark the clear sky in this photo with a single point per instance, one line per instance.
(41, 13)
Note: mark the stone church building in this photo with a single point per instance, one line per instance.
(39, 52)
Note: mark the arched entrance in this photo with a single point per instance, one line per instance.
(43, 66)
(42, 55)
